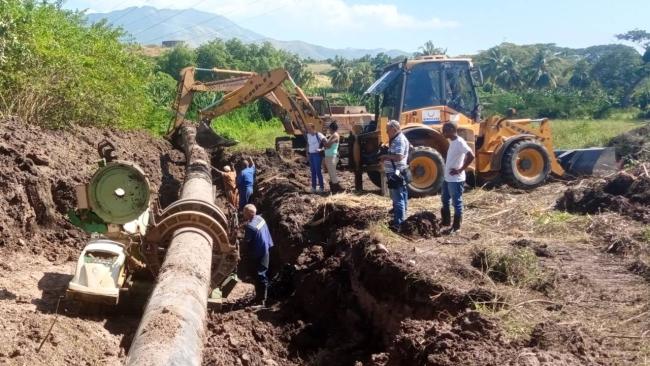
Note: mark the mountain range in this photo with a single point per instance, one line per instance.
(151, 26)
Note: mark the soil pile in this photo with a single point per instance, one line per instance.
(627, 193)
(633, 145)
(39, 170)
(424, 224)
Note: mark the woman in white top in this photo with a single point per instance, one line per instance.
(314, 147)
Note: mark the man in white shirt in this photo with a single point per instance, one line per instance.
(459, 157)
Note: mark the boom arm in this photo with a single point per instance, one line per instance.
(244, 88)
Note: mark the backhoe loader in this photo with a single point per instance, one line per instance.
(287, 100)
(424, 93)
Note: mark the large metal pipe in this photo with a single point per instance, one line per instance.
(172, 329)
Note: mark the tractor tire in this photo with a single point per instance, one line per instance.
(427, 169)
(525, 164)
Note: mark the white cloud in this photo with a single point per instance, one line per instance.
(309, 15)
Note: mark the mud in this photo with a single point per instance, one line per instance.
(633, 146)
(423, 224)
(626, 193)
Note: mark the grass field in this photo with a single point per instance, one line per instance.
(588, 133)
(566, 133)
(320, 68)
(251, 135)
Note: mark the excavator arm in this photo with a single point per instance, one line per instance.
(242, 88)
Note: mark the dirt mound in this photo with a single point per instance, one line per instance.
(633, 145)
(38, 172)
(627, 193)
(424, 224)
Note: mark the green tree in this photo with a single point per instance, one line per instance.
(541, 71)
(641, 38)
(430, 49)
(299, 71)
(213, 54)
(341, 74)
(363, 75)
(620, 72)
(173, 61)
(580, 78)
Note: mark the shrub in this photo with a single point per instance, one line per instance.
(56, 70)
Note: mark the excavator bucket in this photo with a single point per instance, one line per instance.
(208, 139)
(595, 161)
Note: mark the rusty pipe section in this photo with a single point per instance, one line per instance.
(173, 325)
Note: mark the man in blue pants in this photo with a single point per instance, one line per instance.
(395, 162)
(257, 243)
(459, 157)
(246, 181)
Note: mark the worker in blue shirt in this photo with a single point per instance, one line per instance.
(246, 181)
(257, 243)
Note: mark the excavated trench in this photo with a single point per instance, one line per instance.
(339, 297)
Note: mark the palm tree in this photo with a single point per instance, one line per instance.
(363, 75)
(502, 70)
(492, 63)
(341, 74)
(541, 70)
(429, 49)
(508, 74)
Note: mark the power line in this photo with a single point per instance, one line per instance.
(195, 25)
(172, 16)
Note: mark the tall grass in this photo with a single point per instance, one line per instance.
(569, 134)
(251, 131)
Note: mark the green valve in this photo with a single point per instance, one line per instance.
(118, 192)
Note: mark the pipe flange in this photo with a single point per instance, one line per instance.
(159, 237)
(195, 205)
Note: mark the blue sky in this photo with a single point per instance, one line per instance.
(460, 26)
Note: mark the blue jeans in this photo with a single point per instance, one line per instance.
(453, 191)
(400, 204)
(245, 194)
(315, 162)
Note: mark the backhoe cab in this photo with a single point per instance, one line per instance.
(423, 94)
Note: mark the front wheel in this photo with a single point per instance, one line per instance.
(427, 169)
(525, 164)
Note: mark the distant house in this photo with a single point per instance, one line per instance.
(170, 44)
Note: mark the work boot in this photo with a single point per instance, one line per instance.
(458, 219)
(260, 296)
(445, 217)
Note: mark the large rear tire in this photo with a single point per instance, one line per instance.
(427, 169)
(525, 164)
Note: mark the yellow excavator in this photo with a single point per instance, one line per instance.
(426, 92)
(287, 100)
